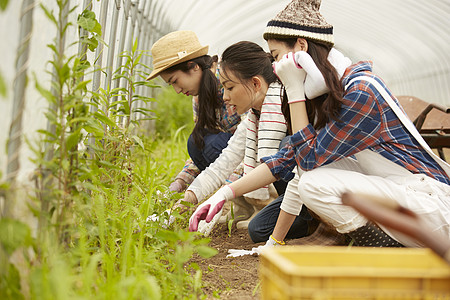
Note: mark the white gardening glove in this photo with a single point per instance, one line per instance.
(210, 211)
(292, 76)
(166, 223)
(206, 228)
(257, 250)
(177, 186)
(315, 82)
(237, 252)
(269, 244)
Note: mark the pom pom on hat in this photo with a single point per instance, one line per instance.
(300, 18)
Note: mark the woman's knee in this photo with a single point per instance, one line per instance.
(255, 232)
(214, 144)
(320, 191)
(192, 147)
(310, 184)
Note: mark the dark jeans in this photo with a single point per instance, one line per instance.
(214, 144)
(261, 226)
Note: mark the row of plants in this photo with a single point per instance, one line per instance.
(98, 178)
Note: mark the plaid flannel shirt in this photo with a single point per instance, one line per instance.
(366, 121)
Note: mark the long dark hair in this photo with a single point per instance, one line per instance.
(247, 59)
(208, 101)
(325, 107)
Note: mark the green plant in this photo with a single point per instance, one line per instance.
(88, 22)
(97, 182)
(3, 89)
(231, 220)
(134, 74)
(14, 235)
(173, 112)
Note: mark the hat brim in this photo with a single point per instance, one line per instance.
(200, 52)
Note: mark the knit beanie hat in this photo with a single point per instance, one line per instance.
(300, 19)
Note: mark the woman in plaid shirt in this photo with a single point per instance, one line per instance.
(182, 62)
(349, 135)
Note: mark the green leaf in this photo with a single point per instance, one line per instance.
(206, 252)
(3, 89)
(73, 139)
(3, 4)
(97, 28)
(107, 164)
(64, 73)
(135, 45)
(184, 254)
(49, 14)
(14, 234)
(10, 287)
(82, 65)
(138, 141)
(89, 14)
(82, 85)
(186, 203)
(105, 120)
(92, 43)
(94, 128)
(44, 92)
(87, 20)
(167, 235)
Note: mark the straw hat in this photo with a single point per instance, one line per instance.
(174, 48)
(300, 18)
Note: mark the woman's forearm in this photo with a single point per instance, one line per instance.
(299, 116)
(256, 179)
(283, 225)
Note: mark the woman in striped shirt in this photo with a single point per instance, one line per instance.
(249, 85)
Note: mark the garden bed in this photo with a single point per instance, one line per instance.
(230, 278)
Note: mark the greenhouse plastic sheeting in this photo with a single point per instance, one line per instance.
(407, 40)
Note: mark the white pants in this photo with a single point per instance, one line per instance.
(321, 190)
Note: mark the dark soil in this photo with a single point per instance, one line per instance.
(230, 278)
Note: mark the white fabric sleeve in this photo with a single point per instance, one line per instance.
(216, 174)
(292, 204)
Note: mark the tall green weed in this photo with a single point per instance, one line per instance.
(173, 112)
(92, 202)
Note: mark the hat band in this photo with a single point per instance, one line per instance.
(279, 32)
(323, 30)
(166, 61)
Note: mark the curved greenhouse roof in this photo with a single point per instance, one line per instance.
(408, 40)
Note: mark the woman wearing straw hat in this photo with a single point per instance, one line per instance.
(350, 135)
(184, 63)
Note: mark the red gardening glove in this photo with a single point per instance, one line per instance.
(210, 211)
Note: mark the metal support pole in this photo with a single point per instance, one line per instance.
(99, 51)
(145, 58)
(123, 33)
(130, 41)
(140, 38)
(112, 46)
(19, 88)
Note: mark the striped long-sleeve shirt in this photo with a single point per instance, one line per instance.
(366, 121)
(244, 145)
